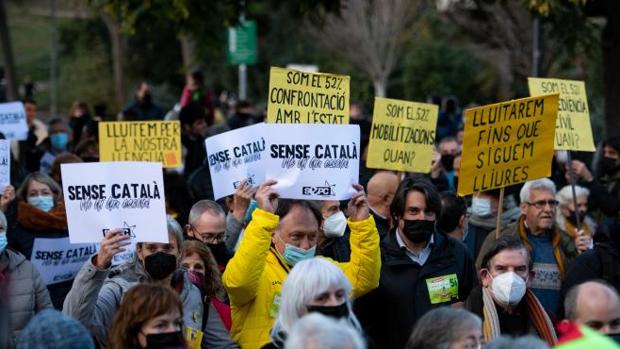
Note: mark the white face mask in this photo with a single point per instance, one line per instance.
(335, 225)
(481, 207)
(508, 288)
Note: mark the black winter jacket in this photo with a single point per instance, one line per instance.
(389, 312)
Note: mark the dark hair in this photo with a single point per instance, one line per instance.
(213, 279)
(420, 184)
(57, 121)
(198, 77)
(191, 113)
(285, 206)
(613, 141)
(506, 244)
(242, 105)
(29, 101)
(453, 207)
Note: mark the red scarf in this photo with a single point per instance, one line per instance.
(33, 218)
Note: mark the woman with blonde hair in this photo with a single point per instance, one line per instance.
(150, 316)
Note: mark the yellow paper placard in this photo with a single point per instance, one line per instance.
(154, 141)
(297, 97)
(572, 129)
(507, 143)
(402, 135)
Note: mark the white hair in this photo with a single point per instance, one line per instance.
(543, 183)
(308, 279)
(318, 331)
(565, 195)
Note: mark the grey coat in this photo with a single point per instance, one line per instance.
(27, 294)
(96, 295)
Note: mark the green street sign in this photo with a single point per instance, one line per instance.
(242, 48)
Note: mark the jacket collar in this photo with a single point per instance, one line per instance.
(393, 255)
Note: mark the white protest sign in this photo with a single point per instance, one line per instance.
(5, 164)
(313, 161)
(58, 260)
(13, 121)
(105, 195)
(234, 156)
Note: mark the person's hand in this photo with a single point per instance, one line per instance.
(358, 205)
(241, 200)
(266, 197)
(7, 197)
(111, 245)
(582, 241)
(580, 170)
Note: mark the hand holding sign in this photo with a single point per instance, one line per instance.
(7, 197)
(241, 199)
(266, 197)
(358, 205)
(111, 245)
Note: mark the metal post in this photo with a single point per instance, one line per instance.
(243, 80)
(536, 40)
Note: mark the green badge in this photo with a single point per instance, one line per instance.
(443, 288)
(275, 305)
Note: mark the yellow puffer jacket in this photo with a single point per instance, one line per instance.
(254, 276)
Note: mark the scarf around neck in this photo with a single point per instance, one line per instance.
(31, 217)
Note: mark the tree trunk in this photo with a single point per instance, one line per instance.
(118, 60)
(379, 85)
(611, 68)
(188, 51)
(7, 56)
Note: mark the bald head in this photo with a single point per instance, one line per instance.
(594, 304)
(381, 189)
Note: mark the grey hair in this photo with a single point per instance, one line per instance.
(308, 279)
(543, 183)
(203, 206)
(525, 342)
(22, 192)
(565, 195)
(319, 331)
(430, 331)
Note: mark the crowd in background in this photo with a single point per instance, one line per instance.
(405, 263)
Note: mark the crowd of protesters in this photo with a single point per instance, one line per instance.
(405, 263)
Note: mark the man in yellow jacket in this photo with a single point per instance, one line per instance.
(279, 235)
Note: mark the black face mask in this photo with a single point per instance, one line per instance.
(447, 161)
(159, 265)
(608, 165)
(573, 217)
(220, 252)
(147, 98)
(419, 230)
(171, 340)
(336, 312)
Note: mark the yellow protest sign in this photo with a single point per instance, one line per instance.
(507, 143)
(297, 97)
(572, 129)
(155, 141)
(402, 135)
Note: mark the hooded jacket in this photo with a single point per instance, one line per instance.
(97, 294)
(254, 276)
(26, 293)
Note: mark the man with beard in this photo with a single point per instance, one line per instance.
(421, 269)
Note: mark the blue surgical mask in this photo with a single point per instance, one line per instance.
(44, 202)
(3, 242)
(293, 254)
(59, 140)
(248, 213)
(481, 207)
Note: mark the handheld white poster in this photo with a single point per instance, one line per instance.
(235, 156)
(105, 195)
(58, 260)
(313, 162)
(13, 121)
(5, 164)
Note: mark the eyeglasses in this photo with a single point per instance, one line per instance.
(208, 237)
(542, 203)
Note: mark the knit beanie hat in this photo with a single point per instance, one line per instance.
(51, 329)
